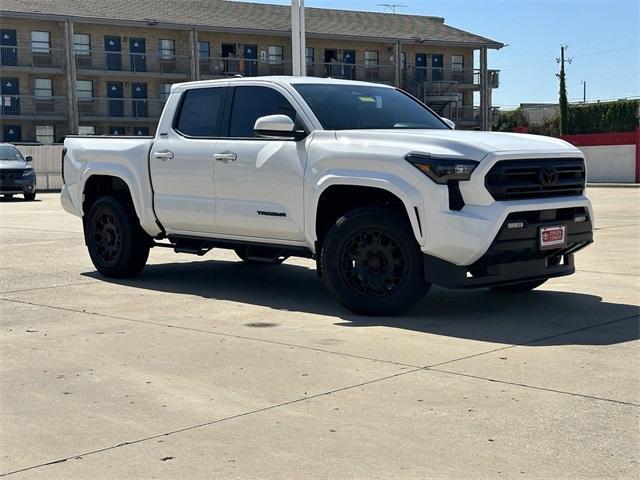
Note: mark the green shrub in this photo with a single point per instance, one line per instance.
(620, 116)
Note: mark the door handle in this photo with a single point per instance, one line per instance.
(163, 155)
(225, 157)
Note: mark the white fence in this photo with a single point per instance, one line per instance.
(47, 164)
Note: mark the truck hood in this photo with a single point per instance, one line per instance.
(469, 144)
(12, 164)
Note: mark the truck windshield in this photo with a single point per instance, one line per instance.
(350, 107)
(7, 152)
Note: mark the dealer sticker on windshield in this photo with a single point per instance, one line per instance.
(553, 237)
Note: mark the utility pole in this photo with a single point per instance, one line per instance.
(298, 39)
(564, 105)
(584, 91)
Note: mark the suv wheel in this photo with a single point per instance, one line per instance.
(117, 244)
(30, 196)
(372, 264)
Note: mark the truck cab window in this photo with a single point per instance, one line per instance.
(251, 103)
(200, 111)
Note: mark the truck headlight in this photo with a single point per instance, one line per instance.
(28, 172)
(442, 170)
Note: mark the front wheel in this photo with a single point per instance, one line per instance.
(372, 264)
(518, 287)
(30, 196)
(117, 245)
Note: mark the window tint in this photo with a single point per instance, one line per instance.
(346, 107)
(200, 112)
(251, 103)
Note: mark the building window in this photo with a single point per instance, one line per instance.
(81, 44)
(276, 55)
(86, 130)
(45, 134)
(370, 59)
(40, 42)
(403, 61)
(43, 88)
(165, 91)
(204, 50)
(457, 63)
(310, 56)
(84, 89)
(167, 48)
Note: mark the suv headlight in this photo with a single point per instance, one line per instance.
(442, 170)
(28, 172)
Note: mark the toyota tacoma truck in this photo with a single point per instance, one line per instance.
(384, 194)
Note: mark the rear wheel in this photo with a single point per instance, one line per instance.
(518, 287)
(117, 244)
(30, 196)
(372, 264)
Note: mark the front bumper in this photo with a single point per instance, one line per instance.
(18, 185)
(515, 255)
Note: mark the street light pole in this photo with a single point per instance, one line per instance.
(298, 38)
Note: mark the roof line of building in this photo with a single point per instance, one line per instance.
(152, 23)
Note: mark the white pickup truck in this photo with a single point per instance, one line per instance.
(383, 193)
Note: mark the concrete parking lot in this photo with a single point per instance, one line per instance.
(209, 368)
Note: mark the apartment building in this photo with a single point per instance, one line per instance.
(96, 67)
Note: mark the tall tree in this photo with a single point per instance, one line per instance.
(564, 104)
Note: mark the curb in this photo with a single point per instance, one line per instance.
(613, 185)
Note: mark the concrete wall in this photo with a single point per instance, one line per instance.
(610, 163)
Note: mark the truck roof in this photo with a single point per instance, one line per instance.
(282, 79)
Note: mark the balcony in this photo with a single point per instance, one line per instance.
(29, 107)
(219, 67)
(24, 58)
(469, 117)
(100, 109)
(465, 78)
(100, 61)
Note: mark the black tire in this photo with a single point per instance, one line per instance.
(372, 264)
(518, 287)
(117, 245)
(30, 196)
(251, 254)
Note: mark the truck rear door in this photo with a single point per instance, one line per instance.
(182, 162)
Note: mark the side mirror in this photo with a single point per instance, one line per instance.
(28, 158)
(275, 126)
(451, 123)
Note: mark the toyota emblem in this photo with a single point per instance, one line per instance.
(548, 176)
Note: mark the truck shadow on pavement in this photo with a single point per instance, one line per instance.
(479, 315)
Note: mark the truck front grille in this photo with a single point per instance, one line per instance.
(524, 179)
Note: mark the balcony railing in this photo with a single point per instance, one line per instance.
(100, 60)
(41, 57)
(101, 108)
(31, 106)
(469, 117)
(414, 74)
(247, 67)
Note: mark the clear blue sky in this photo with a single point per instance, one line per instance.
(603, 38)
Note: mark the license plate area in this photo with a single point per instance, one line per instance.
(552, 237)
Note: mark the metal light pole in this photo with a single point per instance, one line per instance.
(298, 41)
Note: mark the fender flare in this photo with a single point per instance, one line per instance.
(145, 217)
(407, 193)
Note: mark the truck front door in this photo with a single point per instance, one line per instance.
(258, 181)
(182, 162)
